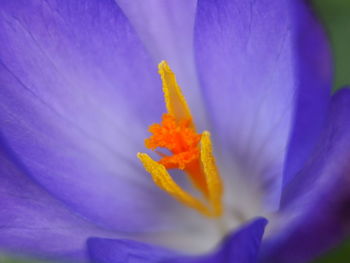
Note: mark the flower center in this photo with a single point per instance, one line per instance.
(179, 138)
(190, 151)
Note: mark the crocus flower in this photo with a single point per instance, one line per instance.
(79, 90)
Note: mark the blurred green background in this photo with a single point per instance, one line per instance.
(335, 15)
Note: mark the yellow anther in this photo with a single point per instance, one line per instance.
(174, 99)
(211, 172)
(163, 180)
(190, 152)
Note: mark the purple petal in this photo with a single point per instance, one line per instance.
(314, 74)
(32, 222)
(241, 246)
(77, 93)
(317, 199)
(120, 251)
(262, 83)
(166, 28)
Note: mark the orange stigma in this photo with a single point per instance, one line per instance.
(179, 138)
(188, 151)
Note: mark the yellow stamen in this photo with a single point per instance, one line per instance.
(175, 101)
(211, 174)
(190, 152)
(162, 178)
